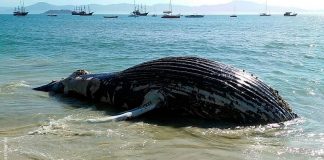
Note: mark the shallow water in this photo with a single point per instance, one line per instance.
(285, 52)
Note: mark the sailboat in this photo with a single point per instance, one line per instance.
(168, 13)
(20, 10)
(132, 14)
(81, 11)
(266, 13)
(85, 13)
(138, 11)
(234, 10)
(76, 10)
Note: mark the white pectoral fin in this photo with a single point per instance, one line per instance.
(128, 114)
(151, 101)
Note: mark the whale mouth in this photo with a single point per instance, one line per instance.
(54, 86)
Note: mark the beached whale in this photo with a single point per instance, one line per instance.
(187, 85)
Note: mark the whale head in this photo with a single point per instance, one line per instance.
(54, 86)
(58, 86)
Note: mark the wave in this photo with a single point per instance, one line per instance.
(287, 128)
(10, 88)
(67, 126)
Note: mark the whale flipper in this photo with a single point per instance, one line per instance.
(152, 100)
(128, 114)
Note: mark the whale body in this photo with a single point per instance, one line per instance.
(188, 85)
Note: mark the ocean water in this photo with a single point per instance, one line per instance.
(285, 52)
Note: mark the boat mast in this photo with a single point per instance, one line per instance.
(170, 6)
(19, 7)
(23, 6)
(234, 8)
(266, 6)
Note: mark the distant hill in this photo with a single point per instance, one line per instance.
(42, 7)
(37, 8)
(62, 11)
(242, 7)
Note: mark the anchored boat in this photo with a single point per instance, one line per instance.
(81, 11)
(20, 10)
(266, 13)
(290, 14)
(168, 13)
(110, 16)
(138, 11)
(194, 16)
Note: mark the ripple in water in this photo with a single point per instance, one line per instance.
(12, 87)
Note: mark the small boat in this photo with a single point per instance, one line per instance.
(154, 15)
(290, 14)
(233, 15)
(110, 16)
(170, 16)
(194, 16)
(52, 15)
(20, 10)
(168, 13)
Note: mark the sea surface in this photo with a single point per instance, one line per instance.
(287, 53)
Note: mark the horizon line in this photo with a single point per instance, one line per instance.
(301, 10)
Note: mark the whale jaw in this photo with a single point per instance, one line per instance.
(54, 86)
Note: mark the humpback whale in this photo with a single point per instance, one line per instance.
(192, 86)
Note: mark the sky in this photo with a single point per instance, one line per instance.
(303, 4)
